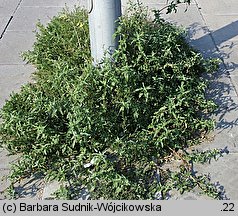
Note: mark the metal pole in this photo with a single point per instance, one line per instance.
(103, 15)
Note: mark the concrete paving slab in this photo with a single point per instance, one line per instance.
(218, 6)
(30, 188)
(234, 78)
(219, 140)
(225, 135)
(223, 173)
(50, 3)
(198, 34)
(26, 18)
(223, 27)
(7, 7)
(49, 189)
(3, 22)
(227, 115)
(183, 18)
(221, 87)
(226, 33)
(13, 44)
(203, 44)
(6, 159)
(153, 4)
(12, 77)
(4, 182)
(146, 2)
(231, 49)
(195, 194)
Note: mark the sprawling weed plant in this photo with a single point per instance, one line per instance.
(110, 129)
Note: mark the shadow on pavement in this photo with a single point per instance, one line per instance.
(221, 89)
(30, 188)
(218, 44)
(219, 39)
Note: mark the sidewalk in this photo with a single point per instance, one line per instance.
(18, 20)
(213, 29)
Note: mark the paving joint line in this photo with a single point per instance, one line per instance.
(21, 31)
(4, 169)
(13, 64)
(10, 19)
(18, 5)
(5, 28)
(49, 6)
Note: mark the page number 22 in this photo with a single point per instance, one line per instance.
(228, 207)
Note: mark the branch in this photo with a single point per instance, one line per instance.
(172, 6)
